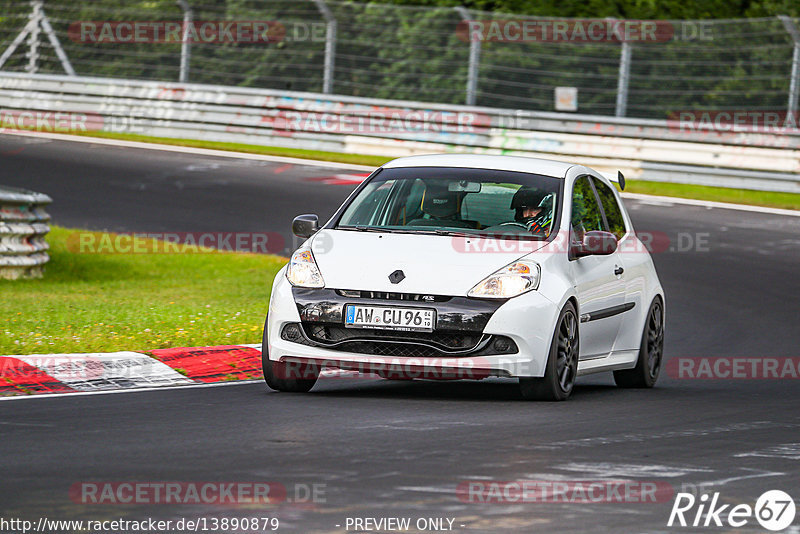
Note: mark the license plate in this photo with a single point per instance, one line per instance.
(390, 318)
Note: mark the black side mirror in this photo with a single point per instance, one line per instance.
(305, 225)
(595, 243)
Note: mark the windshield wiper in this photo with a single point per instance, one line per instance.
(437, 231)
(456, 233)
(361, 228)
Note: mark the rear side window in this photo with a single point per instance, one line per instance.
(586, 215)
(616, 224)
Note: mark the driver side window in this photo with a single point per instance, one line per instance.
(586, 215)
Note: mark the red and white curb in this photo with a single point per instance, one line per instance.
(96, 372)
(36, 374)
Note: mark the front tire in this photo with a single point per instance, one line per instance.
(294, 378)
(651, 352)
(562, 362)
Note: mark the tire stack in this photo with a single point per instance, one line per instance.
(23, 225)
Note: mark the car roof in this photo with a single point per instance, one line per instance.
(546, 167)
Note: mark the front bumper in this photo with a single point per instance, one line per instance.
(474, 338)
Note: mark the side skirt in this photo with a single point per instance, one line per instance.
(625, 359)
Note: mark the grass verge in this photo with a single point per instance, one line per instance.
(697, 192)
(108, 302)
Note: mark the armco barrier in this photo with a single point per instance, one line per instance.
(397, 128)
(663, 172)
(23, 225)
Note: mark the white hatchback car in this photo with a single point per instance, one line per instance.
(468, 266)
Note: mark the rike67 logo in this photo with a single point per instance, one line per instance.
(774, 510)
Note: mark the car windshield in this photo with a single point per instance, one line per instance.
(455, 201)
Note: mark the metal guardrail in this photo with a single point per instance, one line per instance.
(446, 54)
(23, 225)
(684, 174)
(396, 128)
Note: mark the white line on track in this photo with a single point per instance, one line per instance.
(757, 474)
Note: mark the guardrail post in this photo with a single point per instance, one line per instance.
(330, 46)
(623, 79)
(186, 45)
(794, 81)
(33, 37)
(474, 58)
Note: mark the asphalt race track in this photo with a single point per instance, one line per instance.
(400, 449)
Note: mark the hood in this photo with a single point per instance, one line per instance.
(436, 265)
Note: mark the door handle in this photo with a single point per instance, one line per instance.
(618, 271)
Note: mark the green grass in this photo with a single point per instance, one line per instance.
(107, 302)
(699, 192)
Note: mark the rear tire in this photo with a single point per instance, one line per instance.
(276, 374)
(562, 362)
(651, 352)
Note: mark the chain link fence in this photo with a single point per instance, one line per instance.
(444, 55)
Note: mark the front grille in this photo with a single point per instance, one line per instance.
(397, 343)
(400, 350)
(385, 295)
(294, 333)
(444, 340)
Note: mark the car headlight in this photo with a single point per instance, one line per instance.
(303, 271)
(510, 281)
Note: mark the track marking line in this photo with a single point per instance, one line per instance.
(787, 451)
(623, 470)
(759, 473)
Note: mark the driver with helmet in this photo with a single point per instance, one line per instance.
(534, 209)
